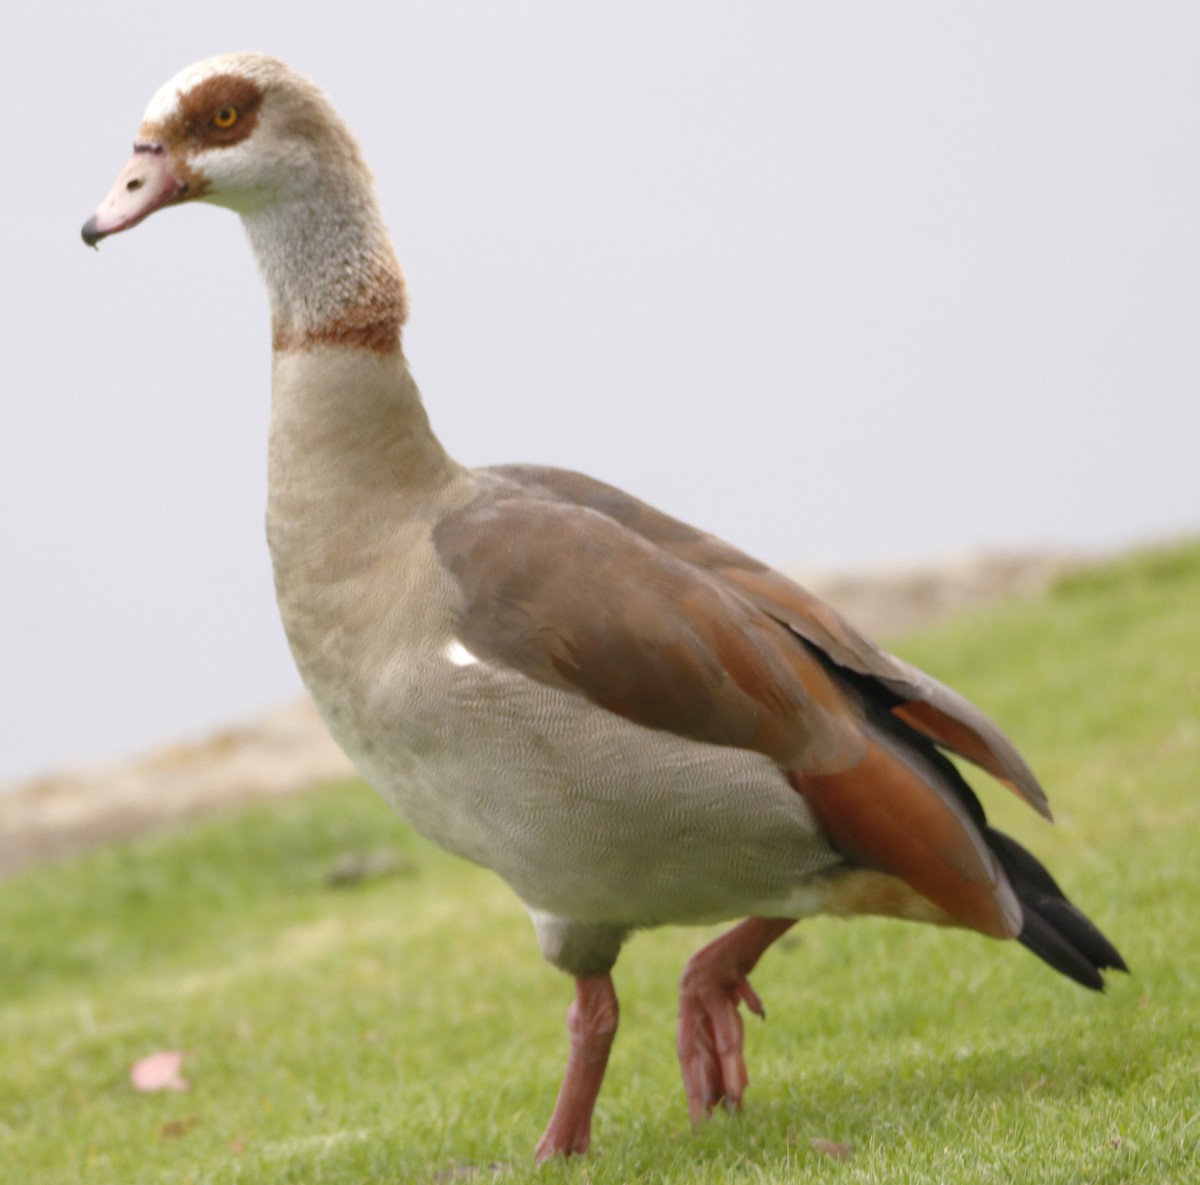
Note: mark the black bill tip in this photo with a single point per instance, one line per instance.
(91, 233)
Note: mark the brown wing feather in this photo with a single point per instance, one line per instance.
(572, 599)
(924, 704)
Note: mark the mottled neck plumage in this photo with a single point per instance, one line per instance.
(330, 269)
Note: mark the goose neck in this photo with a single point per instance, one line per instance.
(331, 273)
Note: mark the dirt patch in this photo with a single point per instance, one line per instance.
(280, 753)
(888, 603)
(286, 751)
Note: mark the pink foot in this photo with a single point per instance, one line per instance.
(710, 1035)
(592, 1025)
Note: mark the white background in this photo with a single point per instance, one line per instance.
(843, 283)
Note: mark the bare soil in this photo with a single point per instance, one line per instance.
(286, 750)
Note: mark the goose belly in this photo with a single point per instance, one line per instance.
(585, 814)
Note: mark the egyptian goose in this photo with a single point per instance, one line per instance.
(631, 722)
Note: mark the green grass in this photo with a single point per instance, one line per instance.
(405, 1029)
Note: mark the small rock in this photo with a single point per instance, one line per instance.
(173, 1129)
(833, 1149)
(352, 868)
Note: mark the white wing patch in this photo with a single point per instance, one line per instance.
(459, 655)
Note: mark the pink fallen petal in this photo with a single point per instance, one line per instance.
(159, 1071)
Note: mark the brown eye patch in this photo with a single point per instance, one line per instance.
(222, 110)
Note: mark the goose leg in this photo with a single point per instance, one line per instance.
(710, 1034)
(592, 1025)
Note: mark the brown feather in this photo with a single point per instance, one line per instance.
(570, 598)
(885, 815)
(923, 703)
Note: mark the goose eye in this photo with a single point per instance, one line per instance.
(225, 118)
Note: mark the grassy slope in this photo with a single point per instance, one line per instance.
(406, 1029)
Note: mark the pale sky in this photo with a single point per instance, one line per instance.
(843, 283)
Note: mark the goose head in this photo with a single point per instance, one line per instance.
(240, 130)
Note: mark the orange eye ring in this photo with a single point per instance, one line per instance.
(225, 118)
